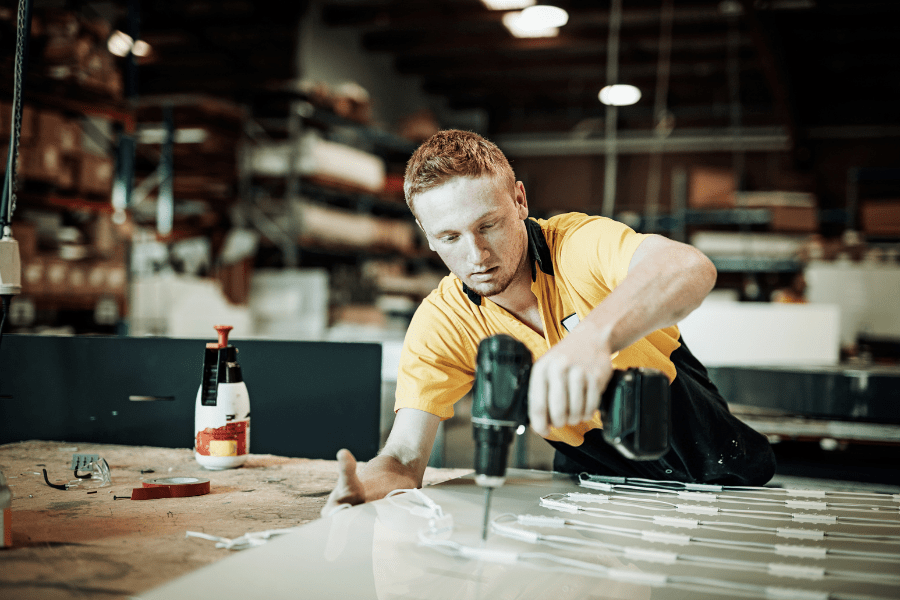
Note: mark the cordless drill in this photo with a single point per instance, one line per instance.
(634, 410)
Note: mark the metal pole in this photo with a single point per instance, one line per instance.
(612, 113)
(165, 197)
(734, 91)
(661, 128)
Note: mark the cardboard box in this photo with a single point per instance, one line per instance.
(33, 269)
(794, 218)
(5, 120)
(25, 234)
(26, 130)
(67, 178)
(881, 217)
(40, 162)
(95, 175)
(49, 127)
(67, 50)
(711, 188)
(775, 198)
(76, 278)
(29, 126)
(70, 137)
(56, 275)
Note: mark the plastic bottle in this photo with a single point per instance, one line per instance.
(222, 409)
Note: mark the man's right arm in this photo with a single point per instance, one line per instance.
(400, 464)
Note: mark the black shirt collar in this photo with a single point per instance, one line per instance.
(538, 250)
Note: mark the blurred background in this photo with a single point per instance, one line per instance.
(194, 162)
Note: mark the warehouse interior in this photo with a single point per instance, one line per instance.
(180, 165)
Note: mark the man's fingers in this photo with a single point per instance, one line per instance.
(577, 389)
(537, 402)
(557, 399)
(592, 398)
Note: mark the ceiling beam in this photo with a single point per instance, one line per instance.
(556, 66)
(562, 77)
(643, 142)
(417, 15)
(569, 42)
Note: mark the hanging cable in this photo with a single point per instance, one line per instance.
(8, 202)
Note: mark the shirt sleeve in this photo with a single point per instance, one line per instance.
(598, 251)
(436, 363)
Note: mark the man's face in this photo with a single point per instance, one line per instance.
(475, 226)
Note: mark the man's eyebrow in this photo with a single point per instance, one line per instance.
(490, 215)
(485, 216)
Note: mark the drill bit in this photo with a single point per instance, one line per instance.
(487, 512)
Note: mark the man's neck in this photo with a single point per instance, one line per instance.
(519, 300)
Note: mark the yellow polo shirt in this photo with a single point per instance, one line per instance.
(579, 260)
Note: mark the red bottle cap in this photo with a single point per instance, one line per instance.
(223, 336)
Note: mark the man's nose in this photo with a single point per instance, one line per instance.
(478, 250)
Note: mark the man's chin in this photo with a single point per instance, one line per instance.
(486, 289)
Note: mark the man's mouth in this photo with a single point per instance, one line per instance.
(486, 273)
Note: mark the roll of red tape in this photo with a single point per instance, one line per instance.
(171, 487)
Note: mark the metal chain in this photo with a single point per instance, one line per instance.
(17, 106)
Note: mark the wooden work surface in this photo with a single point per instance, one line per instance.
(72, 544)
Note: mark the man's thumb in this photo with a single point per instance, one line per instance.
(346, 464)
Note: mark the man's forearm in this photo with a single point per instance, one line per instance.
(663, 287)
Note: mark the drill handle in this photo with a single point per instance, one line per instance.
(635, 409)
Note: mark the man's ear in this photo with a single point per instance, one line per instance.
(521, 201)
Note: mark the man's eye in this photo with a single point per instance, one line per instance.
(449, 238)
(488, 225)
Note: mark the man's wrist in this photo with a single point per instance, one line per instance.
(599, 336)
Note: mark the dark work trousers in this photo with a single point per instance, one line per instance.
(707, 443)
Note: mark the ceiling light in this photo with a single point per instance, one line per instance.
(731, 8)
(619, 95)
(543, 17)
(508, 4)
(120, 43)
(536, 21)
(140, 48)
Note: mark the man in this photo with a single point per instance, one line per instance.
(584, 294)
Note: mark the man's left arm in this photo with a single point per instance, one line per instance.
(666, 281)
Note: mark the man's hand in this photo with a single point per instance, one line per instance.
(348, 490)
(567, 382)
(400, 464)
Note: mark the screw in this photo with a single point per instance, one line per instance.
(121, 497)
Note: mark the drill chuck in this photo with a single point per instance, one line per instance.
(500, 404)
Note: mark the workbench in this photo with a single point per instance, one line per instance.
(75, 544)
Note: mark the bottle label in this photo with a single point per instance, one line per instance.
(6, 525)
(228, 440)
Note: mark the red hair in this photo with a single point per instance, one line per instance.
(454, 153)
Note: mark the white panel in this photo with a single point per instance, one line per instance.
(376, 551)
(867, 294)
(763, 334)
